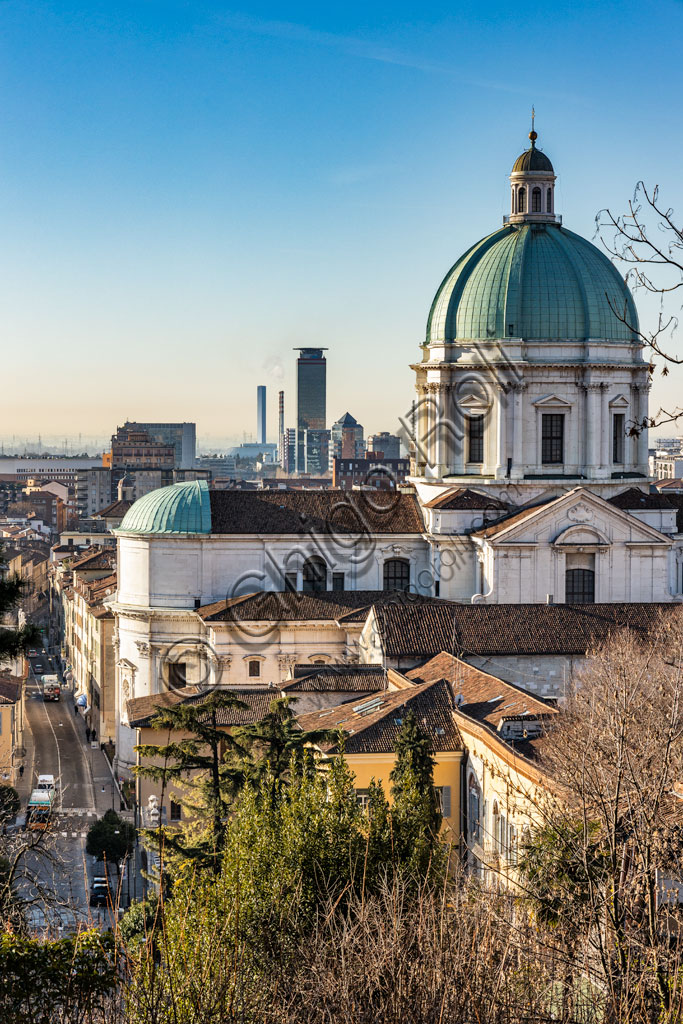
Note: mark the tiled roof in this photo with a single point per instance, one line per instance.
(423, 631)
(676, 500)
(337, 679)
(376, 730)
(633, 498)
(116, 510)
(465, 499)
(10, 688)
(671, 484)
(346, 605)
(100, 558)
(486, 698)
(315, 512)
(515, 517)
(141, 710)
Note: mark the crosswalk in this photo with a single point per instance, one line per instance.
(69, 823)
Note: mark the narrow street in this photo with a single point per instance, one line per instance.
(57, 746)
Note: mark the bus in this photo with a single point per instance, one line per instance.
(39, 808)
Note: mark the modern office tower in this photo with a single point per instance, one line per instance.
(316, 451)
(388, 444)
(183, 437)
(261, 414)
(346, 439)
(281, 428)
(311, 397)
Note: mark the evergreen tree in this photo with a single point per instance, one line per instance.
(415, 813)
(111, 839)
(276, 744)
(13, 641)
(207, 767)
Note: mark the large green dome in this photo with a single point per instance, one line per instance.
(532, 281)
(181, 508)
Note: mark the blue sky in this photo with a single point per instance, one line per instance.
(190, 189)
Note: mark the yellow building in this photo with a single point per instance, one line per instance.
(504, 787)
(371, 728)
(11, 727)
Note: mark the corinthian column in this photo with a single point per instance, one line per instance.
(592, 428)
(501, 430)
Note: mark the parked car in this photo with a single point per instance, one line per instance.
(32, 653)
(99, 892)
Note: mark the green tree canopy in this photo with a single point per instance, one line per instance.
(13, 641)
(111, 838)
(276, 743)
(206, 766)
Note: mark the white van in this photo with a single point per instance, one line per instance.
(47, 783)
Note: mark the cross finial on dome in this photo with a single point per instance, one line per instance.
(532, 134)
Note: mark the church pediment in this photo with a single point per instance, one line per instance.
(578, 517)
(620, 402)
(552, 401)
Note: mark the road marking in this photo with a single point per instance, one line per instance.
(59, 758)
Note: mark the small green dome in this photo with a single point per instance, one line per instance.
(532, 160)
(532, 281)
(181, 508)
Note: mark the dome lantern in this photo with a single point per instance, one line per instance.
(532, 186)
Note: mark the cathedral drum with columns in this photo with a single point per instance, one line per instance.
(532, 376)
(528, 486)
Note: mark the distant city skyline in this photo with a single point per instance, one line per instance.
(189, 192)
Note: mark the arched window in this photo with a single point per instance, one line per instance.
(397, 574)
(314, 575)
(579, 586)
(514, 200)
(549, 201)
(521, 204)
(536, 200)
(474, 811)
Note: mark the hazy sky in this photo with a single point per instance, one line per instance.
(190, 189)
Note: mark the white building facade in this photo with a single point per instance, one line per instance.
(529, 479)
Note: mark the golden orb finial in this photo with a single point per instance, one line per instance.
(533, 135)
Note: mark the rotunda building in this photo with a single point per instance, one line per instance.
(532, 369)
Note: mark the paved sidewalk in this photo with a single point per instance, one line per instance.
(105, 787)
(24, 782)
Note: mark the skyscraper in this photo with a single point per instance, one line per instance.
(261, 414)
(311, 397)
(281, 428)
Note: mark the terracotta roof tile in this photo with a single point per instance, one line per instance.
(100, 558)
(114, 510)
(373, 728)
(315, 512)
(10, 688)
(141, 710)
(464, 499)
(633, 498)
(486, 698)
(514, 517)
(423, 631)
(337, 679)
(276, 606)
